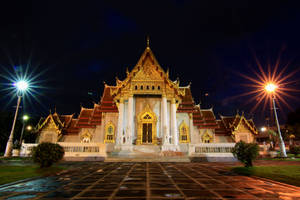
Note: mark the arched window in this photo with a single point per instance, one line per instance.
(158, 87)
(141, 87)
(147, 87)
(153, 87)
(109, 133)
(207, 138)
(184, 133)
(136, 87)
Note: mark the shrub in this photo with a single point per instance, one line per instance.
(47, 153)
(295, 150)
(245, 152)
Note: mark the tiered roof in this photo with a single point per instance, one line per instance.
(88, 117)
(187, 104)
(204, 118)
(228, 124)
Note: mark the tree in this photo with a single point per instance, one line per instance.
(47, 153)
(245, 152)
(293, 123)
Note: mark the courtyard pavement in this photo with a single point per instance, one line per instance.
(101, 180)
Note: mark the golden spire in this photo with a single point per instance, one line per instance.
(148, 42)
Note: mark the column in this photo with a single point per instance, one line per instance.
(191, 128)
(174, 131)
(129, 127)
(164, 120)
(119, 138)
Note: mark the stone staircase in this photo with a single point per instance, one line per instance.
(144, 153)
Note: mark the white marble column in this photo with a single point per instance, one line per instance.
(119, 138)
(129, 128)
(165, 128)
(174, 131)
(191, 128)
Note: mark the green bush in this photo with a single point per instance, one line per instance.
(245, 152)
(47, 153)
(295, 150)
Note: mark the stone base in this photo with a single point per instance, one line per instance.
(213, 157)
(88, 158)
(148, 159)
(170, 147)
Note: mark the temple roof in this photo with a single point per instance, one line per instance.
(87, 118)
(187, 104)
(204, 118)
(228, 124)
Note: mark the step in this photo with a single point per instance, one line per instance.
(148, 159)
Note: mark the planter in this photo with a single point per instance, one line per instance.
(273, 154)
(16, 152)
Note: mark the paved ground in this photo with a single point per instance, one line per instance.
(149, 181)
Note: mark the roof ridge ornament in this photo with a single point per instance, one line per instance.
(148, 41)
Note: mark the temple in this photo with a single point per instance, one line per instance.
(146, 112)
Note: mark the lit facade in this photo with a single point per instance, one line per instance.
(144, 110)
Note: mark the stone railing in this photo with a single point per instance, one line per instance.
(26, 149)
(211, 149)
(73, 149)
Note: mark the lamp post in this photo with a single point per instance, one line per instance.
(270, 88)
(25, 118)
(21, 86)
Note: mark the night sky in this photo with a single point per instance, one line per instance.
(76, 45)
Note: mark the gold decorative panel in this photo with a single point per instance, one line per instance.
(184, 136)
(109, 133)
(207, 138)
(146, 125)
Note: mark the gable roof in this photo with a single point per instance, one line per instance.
(229, 124)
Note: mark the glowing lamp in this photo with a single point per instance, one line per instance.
(270, 87)
(21, 85)
(29, 128)
(263, 129)
(25, 117)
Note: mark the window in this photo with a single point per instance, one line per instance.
(109, 133)
(141, 87)
(158, 87)
(207, 138)
(136, 87)
(147, 116)
(147, 87)
(184, 133)
(86, 137)
(153, 87)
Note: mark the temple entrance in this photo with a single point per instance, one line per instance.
(147, 133)
(146, 127)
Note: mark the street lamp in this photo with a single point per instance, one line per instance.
(263, 129)
(21, 86)
(25, 118)
(29, 128)
(271, 88)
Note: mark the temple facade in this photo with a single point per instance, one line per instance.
(144, 110)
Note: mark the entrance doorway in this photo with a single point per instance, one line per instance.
(147, 133)
(146, 127)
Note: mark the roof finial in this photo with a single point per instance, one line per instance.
(148, 41)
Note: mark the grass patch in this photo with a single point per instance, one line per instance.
(285, 174)
(281, 159)
(14, 173)
(16, 158)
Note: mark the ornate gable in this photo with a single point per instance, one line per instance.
(147, 77)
